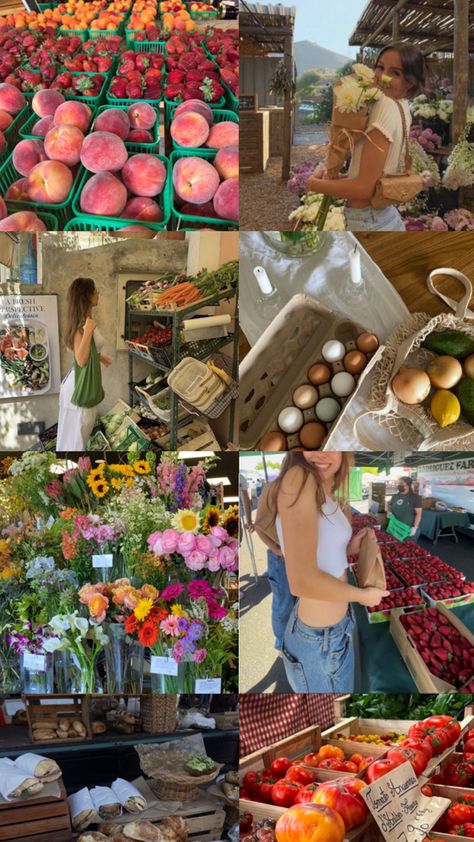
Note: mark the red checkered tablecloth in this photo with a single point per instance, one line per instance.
(265, 718)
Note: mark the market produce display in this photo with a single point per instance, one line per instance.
(97, 61)
(441, 646)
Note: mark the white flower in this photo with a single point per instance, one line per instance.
(53, 644)
(420, 98)
(59, 625)
(371, 95)
(363, 72)
(81, 624)
(347, 94)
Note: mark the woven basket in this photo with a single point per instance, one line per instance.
(159, 713)
(181, 787)
(414, 425)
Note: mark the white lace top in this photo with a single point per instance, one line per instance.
(385, 117)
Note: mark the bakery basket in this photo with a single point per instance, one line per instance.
(159, 713)
(414, 425)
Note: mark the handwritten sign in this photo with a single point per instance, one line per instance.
(248, 102)
(163, 666)
(208, 685)
(399, 807)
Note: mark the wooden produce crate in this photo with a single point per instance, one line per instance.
(42, 819)
(441, 789)
(254, 141)
(275, 113)
(204, 819)
(353, 725)
(425, 681)
(451, 792)
(45, 708)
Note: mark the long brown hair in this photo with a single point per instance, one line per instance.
(297, 459)
(79, 300)
(413, 64)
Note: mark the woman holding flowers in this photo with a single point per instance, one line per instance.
(380, 149)
(81, 390)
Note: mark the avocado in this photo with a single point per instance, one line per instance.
(450, 342)
(465, 394)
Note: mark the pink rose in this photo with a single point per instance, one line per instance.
(204, 544)
(155, 544)
(169, 541)
(195, 560)
(227, 558)
(186, 543)
(220, 534)
(214, 564)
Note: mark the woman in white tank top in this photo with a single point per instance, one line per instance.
(382, 151)
(316, 538)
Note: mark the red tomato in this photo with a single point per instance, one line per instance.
(469, 735)
(349, 766)
(334, 764)
(251, 782)
(469, 746)
(343, 796)
(280, 767)
(310, 823)
(305, 795)
(379, 768)
(417, 758)
(265, 791)
(438, 721)
(427, 790)
(357, 759)
(420, 745)
(312, 759)
(366, 761)
(284, 792)
(459, 814)
(301, 774)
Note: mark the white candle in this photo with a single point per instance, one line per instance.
(263, 280)
(354, 261)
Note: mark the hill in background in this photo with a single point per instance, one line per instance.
(309, 56)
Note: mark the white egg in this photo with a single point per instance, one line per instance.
(333, 351)
(327, 409)
(343, 384)
(290, 419)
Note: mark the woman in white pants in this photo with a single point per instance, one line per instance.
(81, 390)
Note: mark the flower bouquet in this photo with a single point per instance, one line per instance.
(83, 640)
(460, 169)
(36, 663)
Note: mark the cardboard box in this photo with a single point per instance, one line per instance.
(449, 602)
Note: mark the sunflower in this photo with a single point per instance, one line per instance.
(116, 483)
(178, 611)
(185, 520)
(128, 482)
(212, 517)
(230, 521)
(124, 470)
(95, 475)
(143, 608)
(148, 634)
(99, 488)
(142, 467)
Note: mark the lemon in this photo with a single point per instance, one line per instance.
(445, 407)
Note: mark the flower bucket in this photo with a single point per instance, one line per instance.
(70, 677)
(36, 673)
(182, 682)
(124, 659)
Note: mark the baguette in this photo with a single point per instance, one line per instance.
(110, 829)
(79, 727)
(45, 724)
(174, 829)
(44, 735)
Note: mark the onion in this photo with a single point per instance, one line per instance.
(469, 366)
(411, 385)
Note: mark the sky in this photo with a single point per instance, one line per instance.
(327, 22)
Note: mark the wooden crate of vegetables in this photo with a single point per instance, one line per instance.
(42, 819)
(51, 721)
(366, 736)
(459, 816)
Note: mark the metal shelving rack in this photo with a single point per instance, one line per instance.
(180, 349)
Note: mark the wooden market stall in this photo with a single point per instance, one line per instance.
(266, 39)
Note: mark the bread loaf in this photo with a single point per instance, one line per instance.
(174, 829)
(98, 727)
(45, 724)
(44, 735)
(92, 836)
(110, 829)
(64, 725)
(79, 728)
(143, 831)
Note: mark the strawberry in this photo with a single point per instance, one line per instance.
(125, 67)
(175, 76)
(142, 61)
(134, 90)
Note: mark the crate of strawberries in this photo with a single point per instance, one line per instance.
(138, 76)
(152, 343)
(451, 593)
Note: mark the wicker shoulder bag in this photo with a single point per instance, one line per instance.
(401, 187)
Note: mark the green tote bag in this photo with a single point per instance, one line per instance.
(88, 391)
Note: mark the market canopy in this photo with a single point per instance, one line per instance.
(430, 24)
(267, 25)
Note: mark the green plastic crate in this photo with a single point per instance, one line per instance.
(180, 220)
(26, 129)
(131, 146)
(81, 33)
(113, 101)
(12, 133)
(94, 101)
(399, 530)
(163, 200)
(231, 100)
(220, 116)
(107, 33)
(63, 210)
(49, 219)
(149, 47)
(44, 6)
(206, 15)
(104, 223)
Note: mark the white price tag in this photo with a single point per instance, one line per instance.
(400, 809)
(208, 685)
(34, 662)
(105, 560)
(163, 666)
(50, 522)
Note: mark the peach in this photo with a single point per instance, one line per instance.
(22, 221)
(140, 136)
(206, 210)
(11, 99)
(3, 141)
(144, 175)
(46, 102)
(64, 143)
(103, 194)
(72, 113)
(195, 180)
(6, 120)
(49, 182)
(142, 207)
(226, 162)
(18, 191)
(195, 105)
(3, 209)
(142, 115)
(103, 152)
(140, 231)
(223, 134)
(113, 120)
(42, 126)
(190, 129)
(226, 199)
(27, 153)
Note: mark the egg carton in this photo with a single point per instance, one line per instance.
(279, 362)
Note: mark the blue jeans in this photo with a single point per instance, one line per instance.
(320, 659)
(282, 600)
(374, 219)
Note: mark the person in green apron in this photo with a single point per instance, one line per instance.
(406, 506)
(81, 390)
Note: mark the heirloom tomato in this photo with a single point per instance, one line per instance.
(310, 823)
(343, 795)
(301, 774)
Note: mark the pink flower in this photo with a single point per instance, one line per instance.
(84, 464)
(204, 544)
(86, 593)
(170, 625)
(178, 652)
(169, 541)
(438, 224)
(214, 564)
(199, 587)
(155, 544)
(69, 476)
(172, 592)
(186, 543)
(227, 558)
(199, 656)
(216, 611)
(220, 534)
(195, 560)
(54, 489)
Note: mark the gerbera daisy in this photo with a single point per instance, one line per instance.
(143, 608)
(148, 634)
(186, 520)
(128, 482)
(131, 624)
(100, 488)
(142, 467)
(212, 517)
(157, 614)
(178, 611)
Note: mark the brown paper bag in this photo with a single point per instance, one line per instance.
(370, 567)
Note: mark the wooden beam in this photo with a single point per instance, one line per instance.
(287, 114)
(253, 29)
(415, 7)
(460, 67)
(396, 25)
(400, 4)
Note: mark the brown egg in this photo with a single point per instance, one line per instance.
(306, 396)
(319, 373)
(273, 441)
(355, 362)
(312, 435)
(367, 343)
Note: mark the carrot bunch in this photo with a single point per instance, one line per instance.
(179, 295)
